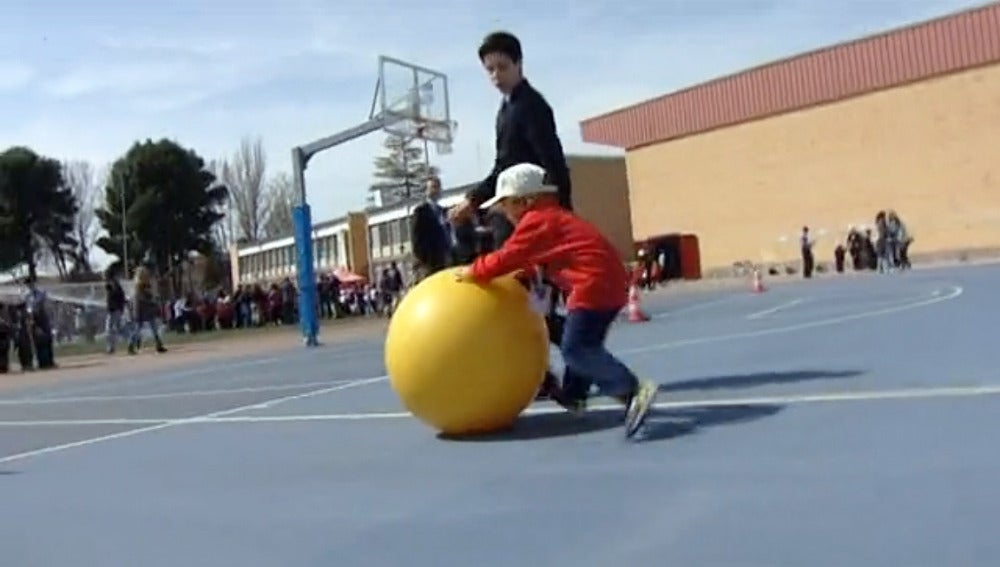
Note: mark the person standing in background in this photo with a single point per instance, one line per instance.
(431, 235)
(144, 308)
(115, 301)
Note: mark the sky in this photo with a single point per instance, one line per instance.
(84, 80)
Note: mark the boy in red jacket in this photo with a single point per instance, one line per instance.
(580, 261)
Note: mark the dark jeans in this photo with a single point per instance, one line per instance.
(587, 358)
(501, 229)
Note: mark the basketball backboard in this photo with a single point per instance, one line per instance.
(413, 101)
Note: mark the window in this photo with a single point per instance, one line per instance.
(374, 242)
(404, 235)
(384, 241)
(405, 223)
(395, 238)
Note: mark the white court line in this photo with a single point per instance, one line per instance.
(794, 399)
(342, 352)
(696, 306)
(176, 422)
(956, 291)
(829, 397)
(83, 422)
(161, 395)
(775, 309)
(146, 380)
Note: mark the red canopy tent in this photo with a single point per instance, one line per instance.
(348, 277)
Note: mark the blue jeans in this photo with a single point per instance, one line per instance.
(588, 361)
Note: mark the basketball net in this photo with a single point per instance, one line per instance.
(441, 147)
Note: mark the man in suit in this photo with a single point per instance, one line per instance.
(431, 235)
(525, 133)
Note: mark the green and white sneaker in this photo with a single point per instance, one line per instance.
(638, 407)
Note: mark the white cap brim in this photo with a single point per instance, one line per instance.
(490, 202)
(541, 190)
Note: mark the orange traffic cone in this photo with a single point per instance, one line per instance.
(758, 282)
(635, 312)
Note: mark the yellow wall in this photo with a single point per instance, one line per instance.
(931, 151)
(234, 265)
(358, 257)
(600, 195)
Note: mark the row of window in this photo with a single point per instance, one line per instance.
(386, 240)
(281, 261)
(389, 239)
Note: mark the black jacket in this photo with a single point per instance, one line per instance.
(526, 133)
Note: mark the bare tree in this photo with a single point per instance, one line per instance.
(81, 178)
(282, 199)
(245, 175)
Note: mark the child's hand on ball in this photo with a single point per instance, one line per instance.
(463, 275)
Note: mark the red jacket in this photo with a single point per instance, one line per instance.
(577, 258)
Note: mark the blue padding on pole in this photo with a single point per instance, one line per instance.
(307, 277)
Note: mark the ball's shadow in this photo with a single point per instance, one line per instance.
(661, 424)
(547, 425)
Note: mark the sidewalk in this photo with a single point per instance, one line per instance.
(98, 365)
(744, 282)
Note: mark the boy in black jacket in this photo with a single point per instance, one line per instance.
(525, 127)
(525, 133)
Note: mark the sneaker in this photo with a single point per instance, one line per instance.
(639, 406)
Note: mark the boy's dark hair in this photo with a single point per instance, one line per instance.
(501, 42)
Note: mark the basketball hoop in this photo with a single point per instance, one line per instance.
(414, 102)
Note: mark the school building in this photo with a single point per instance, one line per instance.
(906, 120)
(364, 242)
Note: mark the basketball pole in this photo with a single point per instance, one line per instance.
(301, 214)
(302, 218)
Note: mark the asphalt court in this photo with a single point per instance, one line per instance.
(782, 415)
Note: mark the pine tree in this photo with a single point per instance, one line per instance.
(37, 211)
(400, 173)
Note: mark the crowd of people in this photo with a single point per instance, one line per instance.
(26, 330)
(32, 323)
(885, 251)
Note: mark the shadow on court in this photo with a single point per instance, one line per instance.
(660, 425)
(673, 423)
(753, 380)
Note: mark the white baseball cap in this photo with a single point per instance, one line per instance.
(521, 180)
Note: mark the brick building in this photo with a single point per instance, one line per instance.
(905, 120)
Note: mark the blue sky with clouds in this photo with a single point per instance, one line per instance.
(83, 80)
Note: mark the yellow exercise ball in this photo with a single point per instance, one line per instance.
(466, 358)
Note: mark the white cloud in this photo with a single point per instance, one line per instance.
(15, 75)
